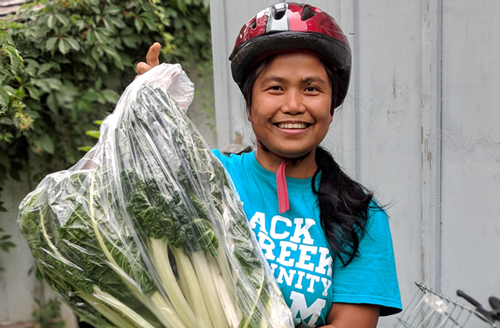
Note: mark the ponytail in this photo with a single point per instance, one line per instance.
(343, 205)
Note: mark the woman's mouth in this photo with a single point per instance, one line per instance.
(292, 125)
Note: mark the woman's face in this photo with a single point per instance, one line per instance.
(291, 105)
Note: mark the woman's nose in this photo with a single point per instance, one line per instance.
(293, 103)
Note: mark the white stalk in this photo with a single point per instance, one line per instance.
(122, 308)
(185, 268)
(209, 289)
(229, 307)
(108, 313)
(167, 277)
(157, 307)
(173, 319)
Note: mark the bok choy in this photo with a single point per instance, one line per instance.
(146, 230)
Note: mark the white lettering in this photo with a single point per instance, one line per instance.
(288, 277)
(299, 305)
(313, 279)
(259, 218)
(301, 274)
(267, 245)
(285, 245)
(302, 231)
(326, 283)
(305, 257)
(324, 260)
(274, 223)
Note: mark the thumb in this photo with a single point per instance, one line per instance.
(153, 55)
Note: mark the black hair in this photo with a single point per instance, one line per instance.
(343, 202)
(343, 205)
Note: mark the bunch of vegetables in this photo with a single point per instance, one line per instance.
(146, 230)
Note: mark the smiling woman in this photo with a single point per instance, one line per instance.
(327, 241)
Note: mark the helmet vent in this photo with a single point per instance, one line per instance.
(279, 12)
(307, 12)
(253, 24)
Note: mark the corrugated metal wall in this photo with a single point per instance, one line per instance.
(421, 127)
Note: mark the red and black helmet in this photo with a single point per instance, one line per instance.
(288, 27)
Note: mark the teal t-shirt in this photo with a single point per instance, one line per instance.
(297, 251)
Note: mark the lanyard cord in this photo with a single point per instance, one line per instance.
(283, 203)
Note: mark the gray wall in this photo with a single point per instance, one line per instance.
(420, 127)
(19, 287)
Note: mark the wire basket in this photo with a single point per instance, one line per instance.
(429, 309)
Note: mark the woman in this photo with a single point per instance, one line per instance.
(326, 240)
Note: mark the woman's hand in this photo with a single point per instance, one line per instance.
(344, 315)
(152, 59)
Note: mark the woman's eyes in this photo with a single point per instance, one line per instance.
(307, 89)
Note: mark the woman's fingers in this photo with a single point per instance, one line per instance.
(152, 59)
(142, 68)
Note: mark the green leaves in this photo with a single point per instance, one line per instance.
(46, 144)
(4, 98)
(93, 133)
(46, 67)
(110, 96)
(13, 54)
(50, 44)
(73, 43)
(51, 21)
(62, 19)
(66, 44)
(5, 241)
(66, 65)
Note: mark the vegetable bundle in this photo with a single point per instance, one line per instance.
(146, 230)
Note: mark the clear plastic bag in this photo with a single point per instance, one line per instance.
(146, 230)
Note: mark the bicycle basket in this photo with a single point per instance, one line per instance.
(429, 309)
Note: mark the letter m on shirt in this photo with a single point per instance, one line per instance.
(300, 309)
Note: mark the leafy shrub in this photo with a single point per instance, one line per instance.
(63, 64)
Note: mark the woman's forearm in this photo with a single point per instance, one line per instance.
(343, 315)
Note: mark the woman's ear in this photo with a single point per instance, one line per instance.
(249, 115)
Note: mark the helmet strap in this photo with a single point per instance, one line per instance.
(283, 202)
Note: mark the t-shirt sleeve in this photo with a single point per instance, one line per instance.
(217, 153)
(221, 157)
(371, 277)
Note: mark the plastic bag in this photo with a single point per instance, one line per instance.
(146, 230)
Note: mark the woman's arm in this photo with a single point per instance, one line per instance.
(343, 315)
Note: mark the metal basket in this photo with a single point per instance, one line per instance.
(429, 309)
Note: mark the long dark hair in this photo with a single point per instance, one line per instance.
(343, 202)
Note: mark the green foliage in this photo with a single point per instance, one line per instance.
(63, 64)
(48, 315)
(5, 242)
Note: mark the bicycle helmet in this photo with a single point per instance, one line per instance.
(289, 27)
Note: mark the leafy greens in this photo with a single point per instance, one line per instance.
(146, 230)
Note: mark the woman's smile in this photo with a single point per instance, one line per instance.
(292, 126)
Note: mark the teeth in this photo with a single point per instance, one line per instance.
(292, 125)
